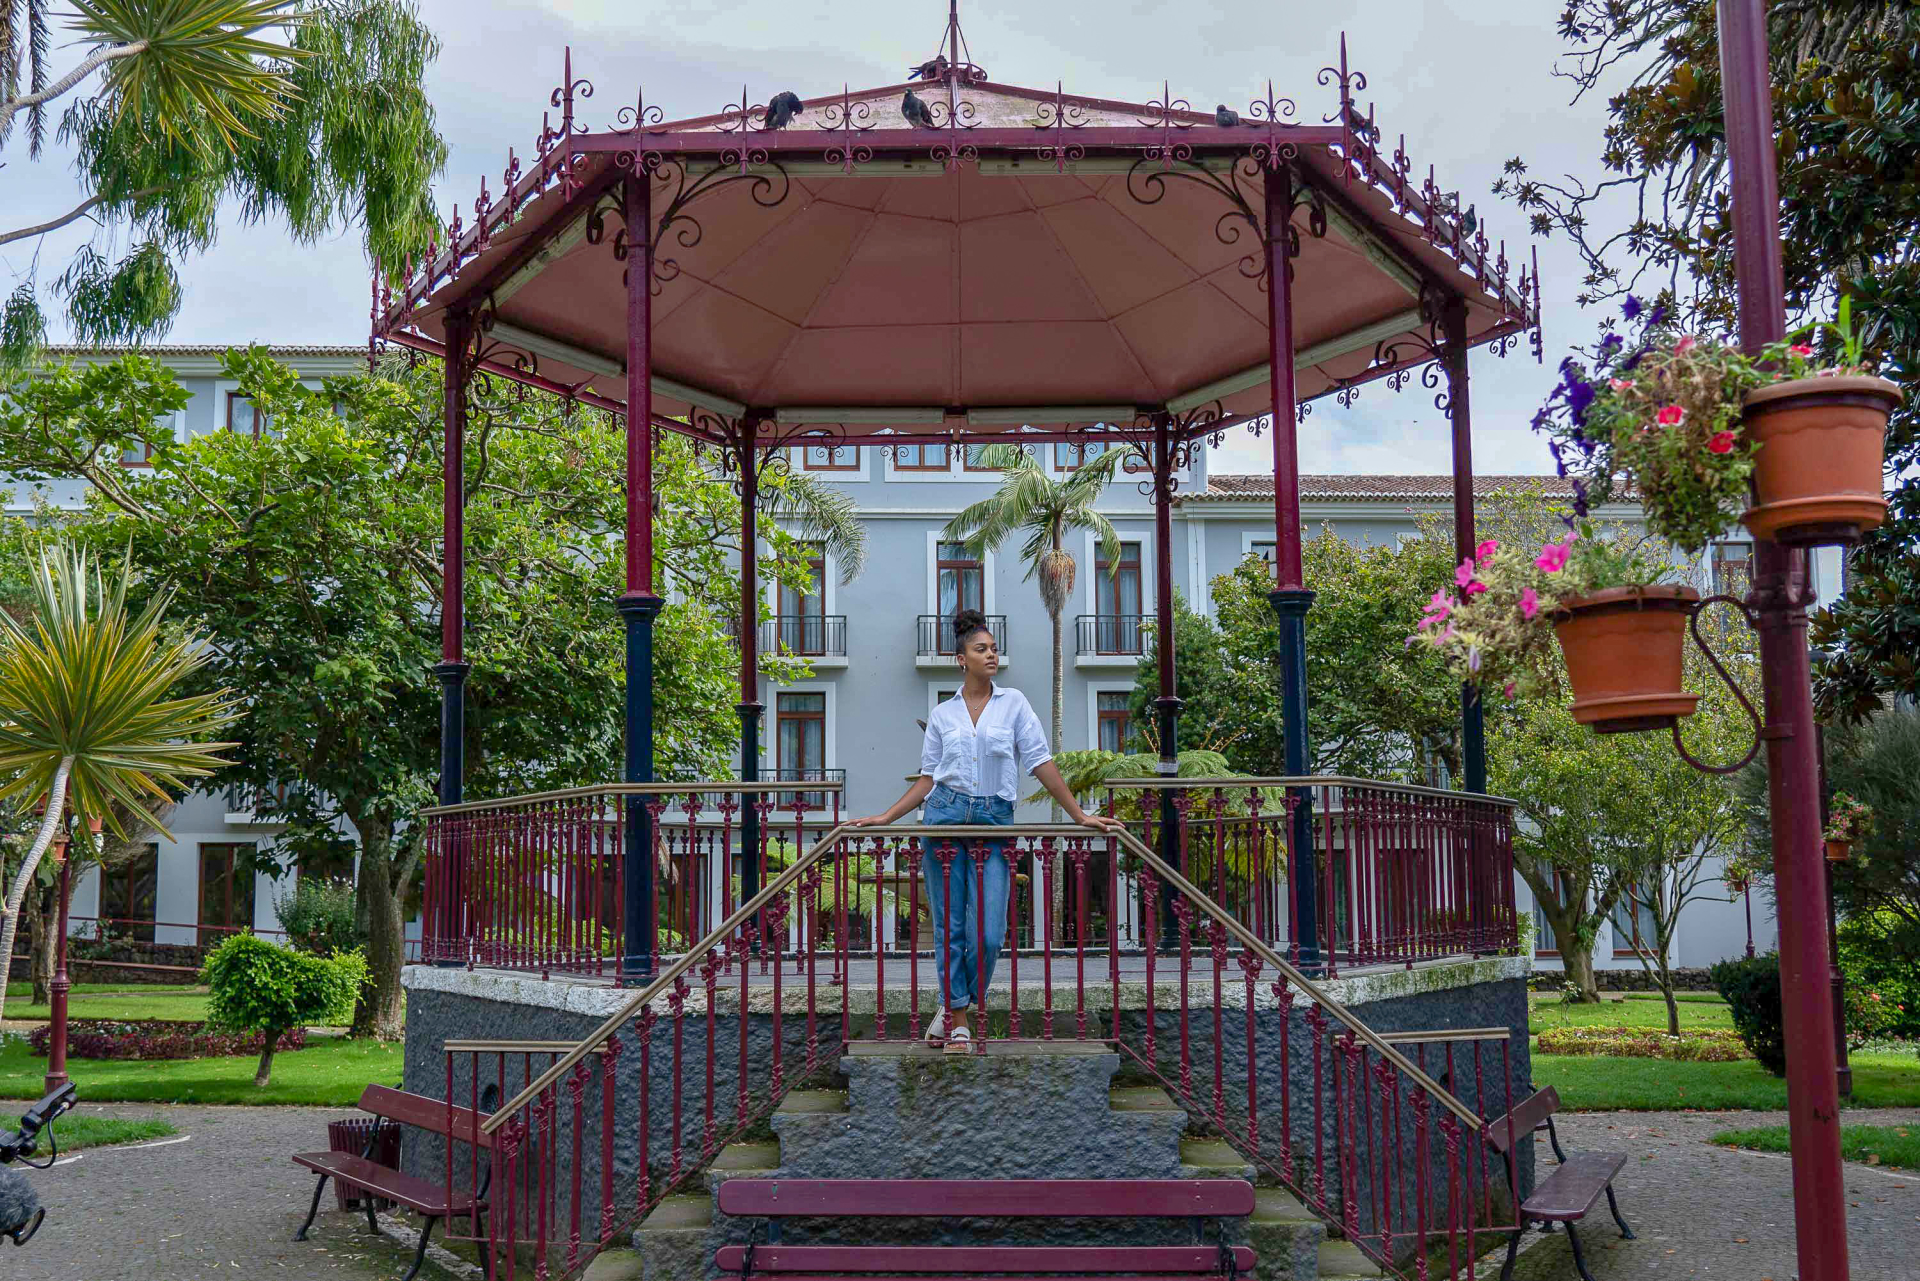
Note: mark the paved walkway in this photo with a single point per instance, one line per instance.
(225, 1202)
(1706, 1211)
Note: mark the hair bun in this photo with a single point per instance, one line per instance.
(966, 622)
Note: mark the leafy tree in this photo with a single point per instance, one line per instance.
(319, 916)
(1846, 97)
(311, 113)
(1031, 502)
(257, 986)
(89, 705)
(310, 557)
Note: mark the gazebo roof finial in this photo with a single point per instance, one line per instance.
(953, 56)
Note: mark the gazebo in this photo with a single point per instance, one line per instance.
(954, 260)
(950, 260)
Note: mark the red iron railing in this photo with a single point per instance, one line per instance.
(1246, 1042)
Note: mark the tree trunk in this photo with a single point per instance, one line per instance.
(1578, 962)
(40, 907)
(1576, 957)
(17, 893)
(378, 1012)
(264, 1071)
(1673, 1007)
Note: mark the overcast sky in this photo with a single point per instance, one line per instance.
(1468, 81)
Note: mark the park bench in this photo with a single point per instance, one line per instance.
(1194, 1199)
(1570, 1191)
(430, 1200)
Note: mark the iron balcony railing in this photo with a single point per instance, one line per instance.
(807, 635)
(810, 800)
(936, 634)
(1119, 634)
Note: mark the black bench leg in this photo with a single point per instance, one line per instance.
(1626, 1233)
(420, 1255)
(312, 1210)
(366, 1200)
(1513, 1252)
(1579, 1257)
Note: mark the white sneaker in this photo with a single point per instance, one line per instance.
(937, 1030)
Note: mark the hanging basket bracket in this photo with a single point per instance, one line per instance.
(1760, 732)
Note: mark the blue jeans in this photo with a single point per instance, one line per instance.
(951, 894)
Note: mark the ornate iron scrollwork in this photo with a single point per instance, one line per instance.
(1746, 704)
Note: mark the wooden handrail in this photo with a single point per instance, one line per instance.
(641, 789)
(1307, 780)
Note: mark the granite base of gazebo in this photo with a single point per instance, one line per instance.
(1026, 1088)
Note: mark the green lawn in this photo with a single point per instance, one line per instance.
(1706, 1010)
(110, 1001)
(1593, 1083)
(331, 1072)
(1896, 1147)
(22, 990)
(74, 1132)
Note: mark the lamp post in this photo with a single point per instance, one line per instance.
(57, 990)
(1779, 600)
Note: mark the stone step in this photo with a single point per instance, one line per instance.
(1285, 1236)
(1140, 1098)
(1342, 1261)
(1212, 1159)
(813, 1102)
(742, 1160)
(671, 1243)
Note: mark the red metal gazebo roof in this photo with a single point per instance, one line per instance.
(1039, 263)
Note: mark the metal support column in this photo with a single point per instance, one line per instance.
(639, 606)
(1781, 592)
(450, 931)
(750, 706)
(1290, 597)
(1473, 727)
(1168, 704)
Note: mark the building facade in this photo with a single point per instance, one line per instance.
(879, 656)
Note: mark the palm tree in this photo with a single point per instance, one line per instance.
(1031, 502)
(86, 709)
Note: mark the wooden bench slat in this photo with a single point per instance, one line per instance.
(1570, 1191)
(460, 1124)
(1186, 1259)
(922, 1276)
(1519, 1123)
(416, 1194)
(988, 1198)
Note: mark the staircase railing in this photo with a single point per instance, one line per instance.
(1252, 1046)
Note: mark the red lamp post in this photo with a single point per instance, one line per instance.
(1779, 599)
(57, 990)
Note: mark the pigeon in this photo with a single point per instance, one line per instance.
(1226, 117)
(783, 108)
(931, 69)
(916, 112)
(20, 1211)
(1470, 223)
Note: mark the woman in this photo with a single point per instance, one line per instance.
(979, 745)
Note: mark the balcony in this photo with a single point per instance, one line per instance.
(819, 638)
(937, 649)
(806, 774)
(1109, 640)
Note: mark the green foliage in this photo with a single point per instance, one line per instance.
(76, 1133)
(1703, 1045)
(308, 113)
(257, 986)
(1892, 1147)
(1880, 954)
(1605, 1083)
(1752, 988)
(331, 1072)
(1848, 819)
(319, 916)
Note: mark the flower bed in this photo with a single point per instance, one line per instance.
(1699, 1045)
(155, 1039)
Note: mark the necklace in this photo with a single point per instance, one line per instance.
(975, 708)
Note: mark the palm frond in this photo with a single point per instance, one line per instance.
(826, 514)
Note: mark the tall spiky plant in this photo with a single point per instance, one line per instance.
(87, 711)
(1030, 501)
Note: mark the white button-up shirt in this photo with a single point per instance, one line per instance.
(990, 758)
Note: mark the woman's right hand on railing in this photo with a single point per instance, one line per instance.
(871, 820)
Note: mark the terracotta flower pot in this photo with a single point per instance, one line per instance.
(1839, 851)
(1817, 477)
(1623, 648)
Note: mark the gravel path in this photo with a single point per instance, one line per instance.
(224, 1203)
(1700, 1210)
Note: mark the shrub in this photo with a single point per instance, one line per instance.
(319, 916)
(1880, 953)
(1751, 986)
(154, 1039)
(1697, 1045)
(257, 986)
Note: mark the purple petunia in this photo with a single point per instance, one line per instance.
(1630, 308)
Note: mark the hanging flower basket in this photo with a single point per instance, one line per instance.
(1839, 851)
(1848, 820)
(1623, 648)
(1818, 475)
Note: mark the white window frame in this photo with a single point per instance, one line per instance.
(1094, 690)
(829, 729)
(987, 574)
(860, 472)
(909, 476)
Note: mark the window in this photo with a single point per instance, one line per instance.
(140, 455)
(127, 896)
(226, 890)
(1113, 719)
(801, 731)
(802, 620)
(1263, 550)
(1116, 601)
(1544, 943)
(1732, 568)
(244, 416)
(1633, 924)
(830, 458)
(961, 583)
(923, 457)
(1073, 456)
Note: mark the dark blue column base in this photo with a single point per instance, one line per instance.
(750, 808)
(638, 916)
(1290, 606)
(453, 762)
(1167, 708)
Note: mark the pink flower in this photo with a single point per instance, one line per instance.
(1529, 603)
(1670, 416)
(1486, 549)
(1801, 349)
(1437, 609)
(1685, 345)
(1621, 384)
(1510, 691)
(1552, 558)
(1722, 442)
(1463, 576)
